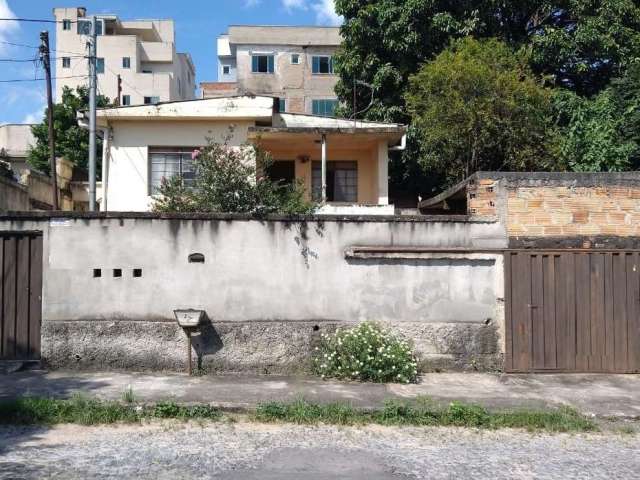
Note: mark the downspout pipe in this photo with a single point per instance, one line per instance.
(402, 146)
(106, 138)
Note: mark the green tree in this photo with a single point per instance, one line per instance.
(72, 141)
(583, 44)
(602, 133)
(477, 106)
(575, 44)
(226, 180)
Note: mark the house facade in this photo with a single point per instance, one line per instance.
(142, 52)
(292, 63)
(148, 143)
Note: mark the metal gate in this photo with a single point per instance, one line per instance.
(572, 312)
(20, 295)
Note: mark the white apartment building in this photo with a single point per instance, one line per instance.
(142, 52)
(292, 63)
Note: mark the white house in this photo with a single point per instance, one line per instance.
(148, 142)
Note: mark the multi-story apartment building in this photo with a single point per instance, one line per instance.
(294, 64)
(142, 52)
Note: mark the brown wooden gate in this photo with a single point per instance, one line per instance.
(20, 295)
(572, 312)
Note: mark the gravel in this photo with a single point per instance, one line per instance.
(172, 450)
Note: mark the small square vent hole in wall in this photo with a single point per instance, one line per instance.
(117, 272)
(137, 272)
(97, 272)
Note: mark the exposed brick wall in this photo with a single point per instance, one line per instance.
(542, 211)
(482, 197)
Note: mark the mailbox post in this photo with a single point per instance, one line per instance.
(189, 320)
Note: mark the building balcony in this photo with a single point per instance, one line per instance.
(158, 52)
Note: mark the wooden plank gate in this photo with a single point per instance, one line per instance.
(20, 295)
(572, 311)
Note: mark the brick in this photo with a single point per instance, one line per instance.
(542, 219)
(555, 231)
(535, 203)
(617, 218)
(517, 205)
(598, 218)
(571, 229)
(589, 229)
(561, 218)
(487, 182)
(634, 193)
(580, 216)
(553, 204)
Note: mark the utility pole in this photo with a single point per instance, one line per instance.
(92, 115)
(46, 61)
(118, 101)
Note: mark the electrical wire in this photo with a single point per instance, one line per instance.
(20, 80)
(33, 20)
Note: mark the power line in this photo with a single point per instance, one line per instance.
(38, 48)
(26, 60)
(19, 80)
(33, 20)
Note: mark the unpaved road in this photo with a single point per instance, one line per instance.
(253, 451)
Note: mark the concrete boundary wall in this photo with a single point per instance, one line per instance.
(270, 287)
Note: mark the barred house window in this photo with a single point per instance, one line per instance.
(167, 162)
(322, 65)
(342, 181)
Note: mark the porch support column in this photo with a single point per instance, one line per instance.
(324, 168)
(383, 172)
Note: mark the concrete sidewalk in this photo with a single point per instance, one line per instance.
(601, 395)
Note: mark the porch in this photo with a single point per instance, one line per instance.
(345, 170)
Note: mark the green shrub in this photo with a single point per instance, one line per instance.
(367, 353)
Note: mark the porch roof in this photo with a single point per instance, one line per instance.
(285, 124)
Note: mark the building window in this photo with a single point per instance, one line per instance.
(126, 62)
(282, 172)
(151, 100)
(99, 65)
(226, 70)
(84, 27)
(322, 65)
(324, 108)
(262, 64)
(295, 59)
(66, 62)
(282, 105)
(167, 162)
(146, 71)
(342, 181)
(66, 24)
(126, 100)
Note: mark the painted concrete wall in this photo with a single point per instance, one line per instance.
(129, 166)
(13, 196)
(270, 286)
(149, 44)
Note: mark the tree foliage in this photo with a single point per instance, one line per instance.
(72, 141)
(577, 45)
(477, 106)
(226, 180)
(602, 133)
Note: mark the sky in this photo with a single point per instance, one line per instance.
(197, 22)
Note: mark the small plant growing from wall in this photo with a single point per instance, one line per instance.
(368, 353)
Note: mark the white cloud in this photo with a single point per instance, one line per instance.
(326, 13)
(34, 117)
(290, 5)
(6, 28)
(251, 3)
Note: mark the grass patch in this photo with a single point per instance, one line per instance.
(422, 412)
(425, 413)
(85, 411)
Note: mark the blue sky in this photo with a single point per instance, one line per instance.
(198, 23)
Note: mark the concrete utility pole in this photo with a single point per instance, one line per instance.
(46, 61)
(92, 115)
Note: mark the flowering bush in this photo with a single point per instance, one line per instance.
(367, 353)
